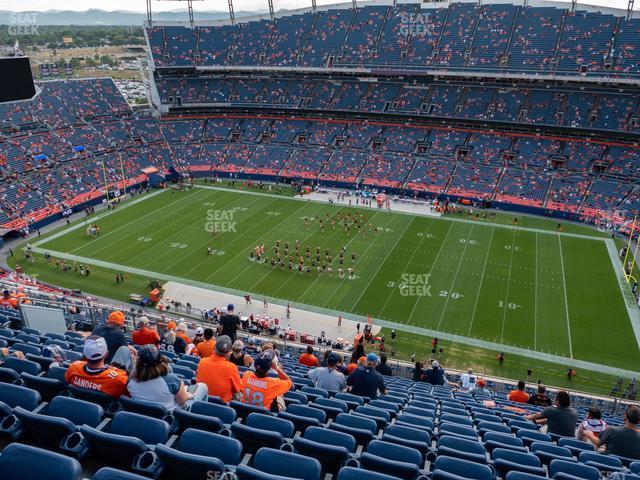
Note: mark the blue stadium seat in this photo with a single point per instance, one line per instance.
(313, 393)
(415, 421)
(457, 430)
(493, 440)
(351, 473)
(575, 446)
(243, 410)
(634, 467)
(448, 468)
(282, 464)
(299, 397)
(108, 473)
(505, 461)
(453, 446)
(20, 365)
(531, 436)
(604, 463)
(563, 470)
(381, 417)
(17, 396)
(392, 459)
(150, 409)
(353, 401)
(62, 417)
(524, 476)
(48, 388)
(331, 448)
(362, 429)
(8, 375)
(227, 415)
(128, 437)
(340, 405)
(307, 411)
(272, 424)
(20, 462)
(548, 451)
(186, 419)
(196, 453)
(255, 438)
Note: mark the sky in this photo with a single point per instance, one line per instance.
(139, 5)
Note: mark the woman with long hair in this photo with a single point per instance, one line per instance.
(152, 381)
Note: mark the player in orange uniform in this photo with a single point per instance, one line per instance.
(94, 374)
(258, 388)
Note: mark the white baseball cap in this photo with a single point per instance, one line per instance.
(199, 331)
(95, 348)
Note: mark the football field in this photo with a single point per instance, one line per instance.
(546, 291)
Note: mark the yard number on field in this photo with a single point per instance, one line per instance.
(178, 245)
(470, 242)
(144, 239)
(454, 295)
(516, 248)
(510, 306)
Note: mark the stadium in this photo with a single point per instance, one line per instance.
(356, 241)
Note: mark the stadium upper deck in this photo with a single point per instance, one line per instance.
(500, 38)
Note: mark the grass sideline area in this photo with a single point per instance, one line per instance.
(541, 290)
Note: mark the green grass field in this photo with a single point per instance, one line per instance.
(543, 291)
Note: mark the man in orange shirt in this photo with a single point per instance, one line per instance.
(258, 388)
(220, 375)
(94, 374)
(145, 335)
(519, 395)
(207, 346)
(308, 358)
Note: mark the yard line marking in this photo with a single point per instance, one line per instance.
(453, 282)
(406, 265)
(200, 247)
(137, 219)
(329, 297)
(535, 296)
(475, 307)
(506, 298)
(566, 303)
(381, 264)
(244, 252)
(295, 273)
(356, 235)
(435, 260)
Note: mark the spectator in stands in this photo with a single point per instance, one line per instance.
(623, 440)
(383, 368)
(229, 323)
(592, 423)
(172, 343)
(480, 389)
(218, 373)
(151, 381)
(207, 345)
(6, 301)
(468, 380)
(261, 390)
(328, 377)
(145, 335)
(93, 373)
(238, 355)
(362, 361)
(417, 372)
(365, 381)
(113, 333)
(560, 419)
(308, 358)
(358, 351)
(435, 374)
(540, 399)
(199, 336)
(519, 394)
(181, 332)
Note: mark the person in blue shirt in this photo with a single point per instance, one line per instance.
(365, 381)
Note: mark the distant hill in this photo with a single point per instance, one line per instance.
(103, 17)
